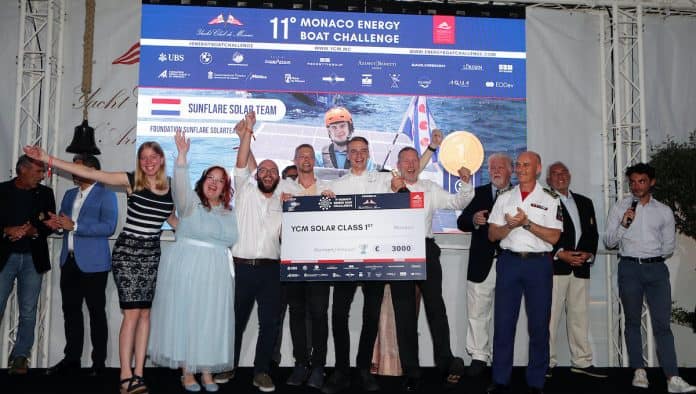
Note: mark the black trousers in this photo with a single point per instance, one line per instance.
(406, 321)
(406, 317)
(342, 299)
(260, 284)
(435, 311)
(75, 287)
(309, 298)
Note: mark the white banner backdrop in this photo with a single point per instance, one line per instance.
(9, 27)
(111, 111)
(564, 124)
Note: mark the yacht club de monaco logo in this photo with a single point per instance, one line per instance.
(444, 31)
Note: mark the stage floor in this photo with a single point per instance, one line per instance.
(163, 381)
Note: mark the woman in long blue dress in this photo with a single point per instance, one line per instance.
(193, 309)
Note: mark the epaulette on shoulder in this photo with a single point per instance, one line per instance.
(551, 192)
(507, 189)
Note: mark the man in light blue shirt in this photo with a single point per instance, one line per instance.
(643, 229)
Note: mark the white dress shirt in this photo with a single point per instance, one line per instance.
(80, 198)
(437, 198)
(572, 208)
(258, 219)
(541, 208)
(367, 182)
(295, 188)
(651, 234)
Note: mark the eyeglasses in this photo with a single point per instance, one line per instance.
(216, 180)
(263, 171)
(363, 152)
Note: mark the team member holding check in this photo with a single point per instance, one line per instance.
(357, 181)
(303, 297)
(403, 292)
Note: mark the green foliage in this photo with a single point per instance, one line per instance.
(681, 316)
(675, 166)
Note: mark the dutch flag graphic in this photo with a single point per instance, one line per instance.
(165, 106)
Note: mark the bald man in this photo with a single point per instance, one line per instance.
(527, 220)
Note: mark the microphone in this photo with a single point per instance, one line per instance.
(634, 204)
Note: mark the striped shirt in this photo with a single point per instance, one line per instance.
(146, 211)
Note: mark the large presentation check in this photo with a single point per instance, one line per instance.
(354, 238)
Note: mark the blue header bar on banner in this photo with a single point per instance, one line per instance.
(331, 52)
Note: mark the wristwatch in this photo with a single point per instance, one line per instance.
(527, 226)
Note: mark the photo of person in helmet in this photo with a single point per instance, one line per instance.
(339, 125)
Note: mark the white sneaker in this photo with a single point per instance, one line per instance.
(675, 384)
(640, 379)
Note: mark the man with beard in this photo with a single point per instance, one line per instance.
(257, 253)
(480, 276)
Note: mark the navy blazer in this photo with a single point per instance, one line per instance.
(588, 240)
(43, 203)
(95, 224)
(481, 250)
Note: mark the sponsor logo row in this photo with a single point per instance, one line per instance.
(348, 271)
(238, 59)
(367, 80)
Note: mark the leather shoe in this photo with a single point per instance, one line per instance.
(96, 370)
(316, 378)
(535, 390)
(498, 389)
(476, 368)
(298, 376)
(336, 383)
(64, 367)
(412, 384)
(369, 383)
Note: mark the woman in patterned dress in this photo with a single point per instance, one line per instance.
(136, 253)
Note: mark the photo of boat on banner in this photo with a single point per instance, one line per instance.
(328, 121)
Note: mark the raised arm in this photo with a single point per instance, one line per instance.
(183, 145)
(245, 130)
(108, 178)
(443, 199)
(435, 141)
(184, 197)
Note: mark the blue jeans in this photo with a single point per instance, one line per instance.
(21, 266)
(652, 281)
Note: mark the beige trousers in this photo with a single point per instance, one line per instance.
(479, 309)
(572, 295)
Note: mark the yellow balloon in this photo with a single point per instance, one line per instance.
(461, 149)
